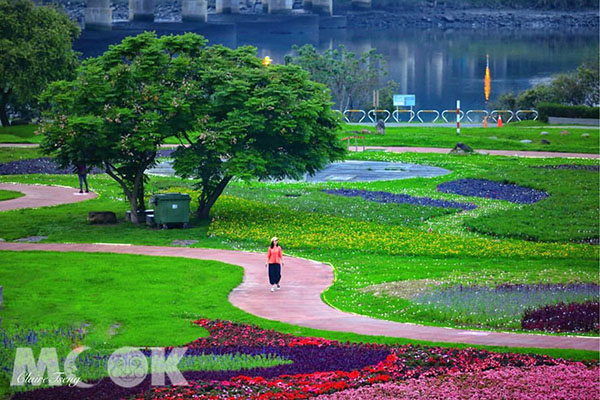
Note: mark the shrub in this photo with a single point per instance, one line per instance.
(559, 110)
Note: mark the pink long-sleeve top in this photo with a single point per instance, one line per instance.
(274, 255)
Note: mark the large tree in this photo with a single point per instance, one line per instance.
(35, 49)
(265, 122)
(124, 104)
(350, 77)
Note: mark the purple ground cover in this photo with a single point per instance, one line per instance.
(595, 168)
(386, 197)
(493, 190)
(571, 317)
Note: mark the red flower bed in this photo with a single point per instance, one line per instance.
(403, 362)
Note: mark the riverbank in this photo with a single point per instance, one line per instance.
(426, 17)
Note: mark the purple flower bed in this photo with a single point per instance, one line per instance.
(42, 165)
(493, 190)
(386, 197)
(595, 168)
(571, 317)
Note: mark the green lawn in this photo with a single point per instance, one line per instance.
(369, 244)
(506, 138)
(8, 154)
(9, 194)
(19, 134)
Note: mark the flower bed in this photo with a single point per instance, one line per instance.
(504, 305)
(386, 197)
(319, 367)
(558, 382)
(241, 219)
(493, 190)
(572, 317)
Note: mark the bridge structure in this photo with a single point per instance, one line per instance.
(98, 13)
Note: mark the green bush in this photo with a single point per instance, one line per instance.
(560, 110)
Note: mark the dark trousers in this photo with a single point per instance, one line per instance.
(82, 180)
(274, 274)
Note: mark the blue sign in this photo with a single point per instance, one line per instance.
(404, 100)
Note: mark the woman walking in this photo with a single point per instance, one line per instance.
(274, 263)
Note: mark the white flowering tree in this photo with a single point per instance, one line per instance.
(123, 105)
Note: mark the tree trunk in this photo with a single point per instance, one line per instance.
(203, 211)
(3, 114)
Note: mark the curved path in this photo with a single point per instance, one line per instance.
(41, 196)
(517, 153)
(299, 301)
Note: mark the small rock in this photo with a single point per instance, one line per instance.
(2, 240)
(564, 132)
(461, 148)
(448, 18)
(380, 127)
(102, 217)
(32, 239)
(585, 135)
(544, 141)
(183, 242)
(526, 141)
(544, 133)
(493, 137)
(366, 131)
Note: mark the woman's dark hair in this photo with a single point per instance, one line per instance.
(273, 243)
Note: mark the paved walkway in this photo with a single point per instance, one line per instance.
(41, 196)
(518, 153)
(299, 301)
(398, 149)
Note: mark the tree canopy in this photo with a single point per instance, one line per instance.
(261, 122)
(580, 87)
(234, 117)
(350, 78)
(35, 49)
(123, 105)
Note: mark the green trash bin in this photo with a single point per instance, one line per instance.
(170, 209)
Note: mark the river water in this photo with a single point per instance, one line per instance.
(437, 66)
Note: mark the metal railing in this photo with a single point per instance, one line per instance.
(409, 112)
(453, 112)
(374, 113)
(364, 114)
(469, 115)
(355, 137)
(534, 112)
(494, 115)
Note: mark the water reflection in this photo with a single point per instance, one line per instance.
(437, 66)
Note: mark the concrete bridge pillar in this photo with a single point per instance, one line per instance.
(322, 7)
(227, 6)
(361, 4)
(280, 6)
(141, 10)
(98, 15)
(194, 10)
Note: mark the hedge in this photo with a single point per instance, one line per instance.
(560, 110)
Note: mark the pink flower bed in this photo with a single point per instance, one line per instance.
(557, 382)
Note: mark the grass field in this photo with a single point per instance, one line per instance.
(507, 138)
(383, 254)
(9, 194)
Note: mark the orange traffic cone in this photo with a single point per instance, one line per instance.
(499, 121)
(485, 122)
